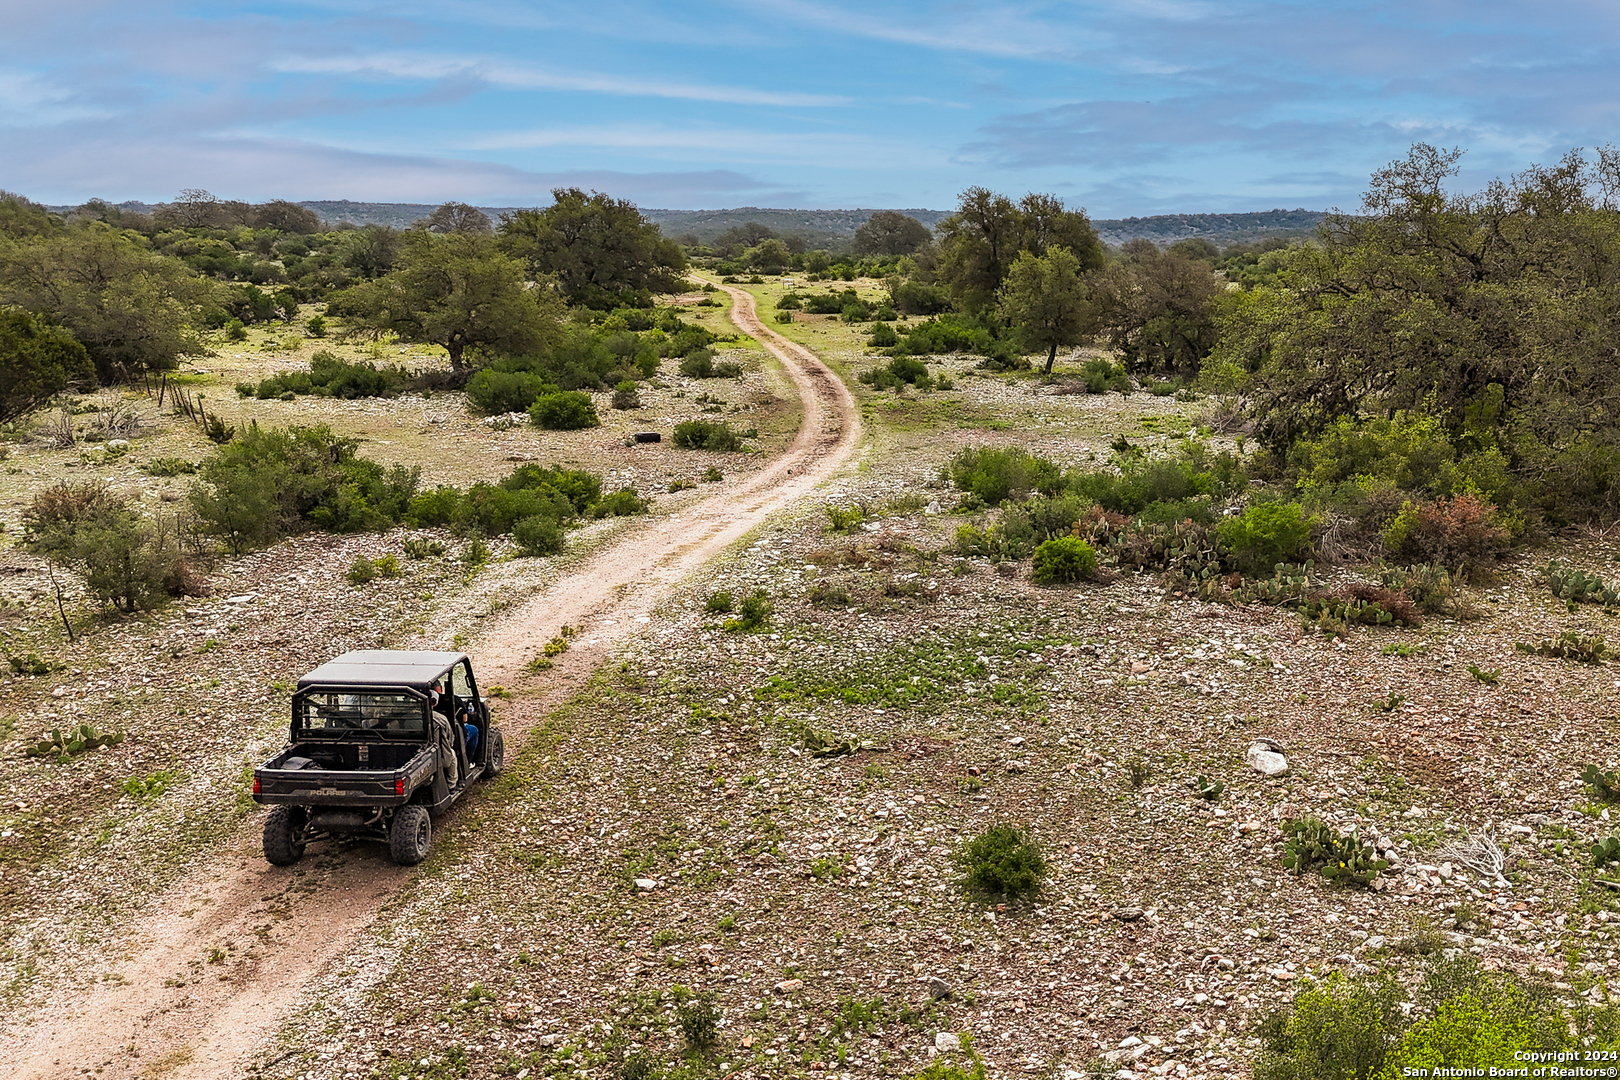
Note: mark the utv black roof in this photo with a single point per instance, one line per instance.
(383, 667)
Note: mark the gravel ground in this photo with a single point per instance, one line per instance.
(680, 828)
(675, 832)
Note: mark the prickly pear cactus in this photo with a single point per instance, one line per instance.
(76, 740)
(1312, 844)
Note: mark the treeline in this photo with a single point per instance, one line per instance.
(1438, 353)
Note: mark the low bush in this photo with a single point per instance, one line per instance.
(718, 603)
(493, 393)
(1461, 1017)
(1462, 531)
(898, 372)
(537, 536)
(622, 503)
(992, 475)
(626, 395)
(1266, 534)
(1101, 376)
(566, 410)
(130, 563)
(1002, 861)
(752, 614)
(363, 570)
(330, 376)
(706, 435)
(1064, 559)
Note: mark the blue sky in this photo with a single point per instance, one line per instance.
(1143, 107)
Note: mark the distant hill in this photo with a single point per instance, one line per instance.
(836, 228)
(1223, 229)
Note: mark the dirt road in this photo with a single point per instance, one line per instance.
(212, 970)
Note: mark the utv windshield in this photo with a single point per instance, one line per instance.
(367, 710)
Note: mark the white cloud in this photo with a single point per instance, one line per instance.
(402, 65)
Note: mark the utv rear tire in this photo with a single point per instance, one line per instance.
(410, 835)
(284, 835)
(497, 754)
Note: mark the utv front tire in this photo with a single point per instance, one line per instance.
(497, 754)
(284, 835)
(410, 835)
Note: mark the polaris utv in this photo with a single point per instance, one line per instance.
(381, 743)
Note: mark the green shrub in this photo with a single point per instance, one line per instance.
(1002, 861)
(698, 364)
(493, 392)
(753, 614)
(168, 466)
(700, 1023)
(706, 435)
(316, 326)
(1064, 559)
(1340, 1029)
(1459, 531)
(993, 475)
(361, 572)
(622, 503)
(1266, 534)
(900, 371)
(718, 603)
(842, 519)
(538, 535)
(235, 331)
(883, 336)
(567, 410)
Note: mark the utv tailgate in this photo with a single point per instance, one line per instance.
(314, 786)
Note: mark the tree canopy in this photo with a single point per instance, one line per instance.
(600, 251)
(1492, 313)
(457, 217)
(1045, 300)
(132, 310)
(979, 242)
(37, 362)
(889, 232)
(460, 292)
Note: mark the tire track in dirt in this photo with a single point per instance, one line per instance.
(211, 971)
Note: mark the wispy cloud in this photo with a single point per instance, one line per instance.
(503, 73)
(120, 167)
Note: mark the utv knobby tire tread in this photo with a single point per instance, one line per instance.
(410, 835)
(497, 754)
(282, 831)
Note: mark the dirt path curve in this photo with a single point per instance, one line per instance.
(212, 971)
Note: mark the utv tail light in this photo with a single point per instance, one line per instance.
(399, 786)
(258, 785)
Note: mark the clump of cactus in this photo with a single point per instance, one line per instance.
(1312, 844)
(76, 740)
(1207, 789)
(1606, 851)
(1580, 586)
(1605, 785)
(1584, 648)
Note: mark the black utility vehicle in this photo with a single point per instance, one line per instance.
(382, 742)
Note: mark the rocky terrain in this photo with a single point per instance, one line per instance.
(746, 838)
